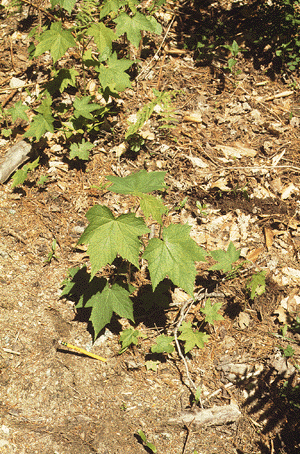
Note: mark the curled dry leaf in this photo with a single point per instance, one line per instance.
(238, 151)
(282, 315)
(269, 236)
(288, 191)
(197, 162)
(194, 117)
(255, 253)
(244, 320)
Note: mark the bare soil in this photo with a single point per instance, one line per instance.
(54, 400)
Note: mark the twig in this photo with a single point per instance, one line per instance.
(215, 393)
(9, 97)
(40, 8)
(157, 52)
(283, 94)
(187, 426)
(11, 54)
(183, 313)
(23, 86)
(160, 71)
(297, 169)
(8, 350)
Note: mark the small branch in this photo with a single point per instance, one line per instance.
(158, 51)
(183, 313)
(40, 8)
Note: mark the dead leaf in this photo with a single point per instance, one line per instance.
(194, 117)
(288, 191)
(119, 149)
(236, 152)
(282, 315)
(244, 320)
(147, 134)
(221, 184)
(198, 162)
(255, 253)
(269, 236)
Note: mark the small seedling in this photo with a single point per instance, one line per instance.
(197, 395)
(146, 442)
(129, 337)
(257, 284)
(181, 204)
(20, 176)
(201, 208)
(235, 50)
(52, 254)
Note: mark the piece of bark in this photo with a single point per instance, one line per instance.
(13, 158)
(215, 416)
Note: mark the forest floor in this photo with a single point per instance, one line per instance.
(234, 148)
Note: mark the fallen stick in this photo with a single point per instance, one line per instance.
(283, 94)
(215, 416)
(13, 158)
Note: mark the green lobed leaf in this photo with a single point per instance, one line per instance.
(62, 80)
(56, 40)
(211, 312)
(225, 259)
(20, 175)
(39, 125)
(257, 284)
(45, 106)
(111, 299)
(111, 6)
(127, 337)
(138, 182)
(80, 288)
(174, 256)
(103, 36)
(99, 295)
(18, 111)
(163, 344)
(83, 108)
(81, 150)
(113, 75)
(152, 206)
(132, 26)
(191, 338)
(108, 236)
(68, 5)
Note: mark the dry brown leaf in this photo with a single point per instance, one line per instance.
(198, 162)
(288, 191)
(194, 117)
(244, 320)
(236, 152)
(254, 254)
(282, 315)
(269, 236)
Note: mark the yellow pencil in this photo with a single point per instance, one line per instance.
(81, 350)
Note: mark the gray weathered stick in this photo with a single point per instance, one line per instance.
(13, 158)
(215, 416)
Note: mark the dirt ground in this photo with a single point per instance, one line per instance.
(54, 400)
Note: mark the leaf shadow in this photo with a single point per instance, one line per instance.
(279, 413)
